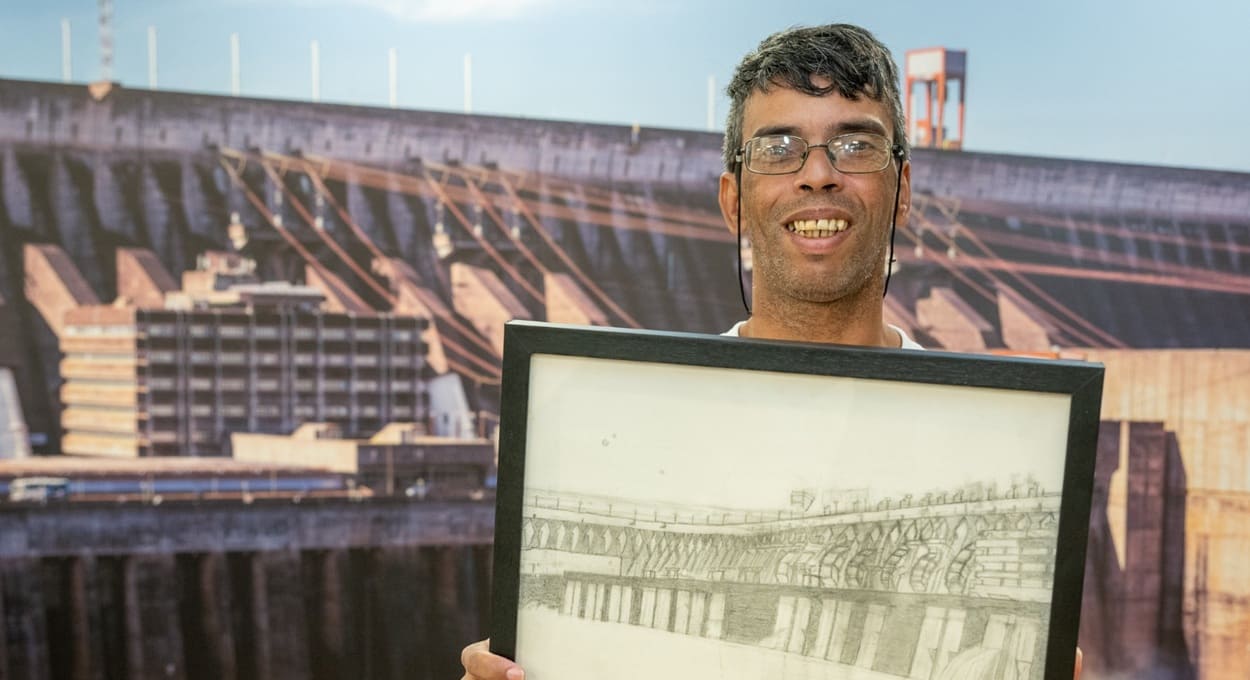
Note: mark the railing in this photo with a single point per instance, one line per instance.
(627, 510)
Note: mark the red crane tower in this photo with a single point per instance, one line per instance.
(935, 67)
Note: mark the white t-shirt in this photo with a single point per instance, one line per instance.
(908, 343)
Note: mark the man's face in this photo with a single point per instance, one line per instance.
(793, 262)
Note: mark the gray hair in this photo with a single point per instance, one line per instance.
(853, 60)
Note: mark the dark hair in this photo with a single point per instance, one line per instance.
(853, 60)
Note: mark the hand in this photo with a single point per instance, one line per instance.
(480, 664)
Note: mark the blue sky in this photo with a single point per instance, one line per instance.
(1155, 82)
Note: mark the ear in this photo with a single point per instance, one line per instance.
(903, 215)
(728, 197)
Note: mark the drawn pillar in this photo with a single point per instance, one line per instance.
(698, 612)
(663, 608)
(591, 591)
(627, 604)
(824, 628)
(1016, 641)
(798, 627)
(578, 600)
(569, 590)
(837, 639)
(614, 603)
(781, 626)
(646, 616)
(940, 635)
(715, 616)
(952, 637)
(873, 624)
(681, 618)
(600, 592)
(1022, 649)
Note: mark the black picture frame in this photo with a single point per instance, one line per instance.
(583, 361)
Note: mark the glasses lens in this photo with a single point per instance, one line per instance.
(860, 152)
(775, 154)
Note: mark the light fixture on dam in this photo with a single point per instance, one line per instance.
(236, 232)
(442, 240)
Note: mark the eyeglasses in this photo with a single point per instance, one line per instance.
(854, 153)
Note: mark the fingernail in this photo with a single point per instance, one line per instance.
(515, 673)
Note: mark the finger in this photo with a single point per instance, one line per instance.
(480, 646)
(1076, 675)
(480, 664)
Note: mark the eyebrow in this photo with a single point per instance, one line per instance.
(842, 128)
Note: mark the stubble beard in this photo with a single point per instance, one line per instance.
(785, 285)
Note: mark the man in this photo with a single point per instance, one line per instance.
(817, 178)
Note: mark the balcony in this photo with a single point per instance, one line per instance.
(268, 358)
(232, 358)
(162, 410)
(154, 384)
(162, 330)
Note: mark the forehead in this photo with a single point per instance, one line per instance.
(786, 108)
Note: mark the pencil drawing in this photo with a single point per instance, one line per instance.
(834, 584)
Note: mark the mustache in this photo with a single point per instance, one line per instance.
(823, 204)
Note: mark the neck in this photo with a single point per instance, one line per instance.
(854, 320)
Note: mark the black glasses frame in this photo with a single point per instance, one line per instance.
(896, 152)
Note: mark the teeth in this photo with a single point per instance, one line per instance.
(817, 228)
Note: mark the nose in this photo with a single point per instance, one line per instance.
(818, 173)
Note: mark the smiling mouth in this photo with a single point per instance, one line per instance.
(817, 228)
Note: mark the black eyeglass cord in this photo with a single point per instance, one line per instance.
(889, 269)
(742, 289)
(898, 185)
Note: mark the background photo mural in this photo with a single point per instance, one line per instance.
(249, 352)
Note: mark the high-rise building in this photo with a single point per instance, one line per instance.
(227, 354)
